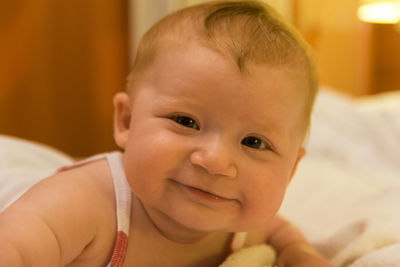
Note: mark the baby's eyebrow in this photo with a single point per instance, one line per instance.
(176, 100)
(270, 128)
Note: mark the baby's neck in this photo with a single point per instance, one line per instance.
(147, 239)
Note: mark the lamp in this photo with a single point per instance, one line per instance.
(379, 11)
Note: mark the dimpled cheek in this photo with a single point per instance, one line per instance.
(259, 207)
(152, 157)
(155, 147)
(258, 215)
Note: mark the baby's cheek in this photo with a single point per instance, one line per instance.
(262, 204)
(150, 158)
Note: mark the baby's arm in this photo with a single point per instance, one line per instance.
(50, 225)
(293, 250)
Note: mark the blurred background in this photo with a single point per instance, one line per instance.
(62, 61)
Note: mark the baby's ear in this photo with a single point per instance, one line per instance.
(122, 118)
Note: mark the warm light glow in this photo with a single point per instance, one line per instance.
(380, 11)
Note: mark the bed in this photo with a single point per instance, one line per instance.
(346, 193)
(345, 196)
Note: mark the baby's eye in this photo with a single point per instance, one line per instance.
(255, 143)
(186, 121)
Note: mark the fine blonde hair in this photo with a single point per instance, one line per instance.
(242, 31)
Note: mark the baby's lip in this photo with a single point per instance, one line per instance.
(216, 196)
(202, 189)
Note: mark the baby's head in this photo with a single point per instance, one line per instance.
(246, 33)
(218, 105)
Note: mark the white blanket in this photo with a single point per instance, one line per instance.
(22, 164)
(346, 193)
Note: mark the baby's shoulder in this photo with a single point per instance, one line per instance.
(89, 182)
(86, 190)
(76, 207)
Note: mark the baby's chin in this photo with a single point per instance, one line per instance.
(234, 225)
(206, 224)
(231, 219)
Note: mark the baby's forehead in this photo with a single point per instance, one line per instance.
(191, 39)
(194, 63)
(198, 56)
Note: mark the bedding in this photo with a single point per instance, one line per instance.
(345, 196)
(22, 164)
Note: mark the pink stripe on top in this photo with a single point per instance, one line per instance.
(123, 202)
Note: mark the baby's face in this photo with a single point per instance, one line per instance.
(210, 147)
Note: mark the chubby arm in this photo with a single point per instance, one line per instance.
(292, 248)
(50, 225)
(27, 240)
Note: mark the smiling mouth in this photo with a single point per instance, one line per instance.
(201, 194)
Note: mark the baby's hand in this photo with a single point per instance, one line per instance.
(301, 255)
(292, 247)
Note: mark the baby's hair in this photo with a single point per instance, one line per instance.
(242, 31)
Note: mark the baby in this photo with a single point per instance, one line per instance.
(211, 127)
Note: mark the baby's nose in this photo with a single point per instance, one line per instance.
(216, 158)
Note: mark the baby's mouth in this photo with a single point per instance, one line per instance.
(202, 194)
(207, 194)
